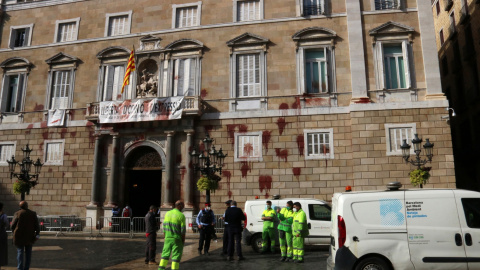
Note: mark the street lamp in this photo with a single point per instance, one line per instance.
(417, 149)
(25, 167)
(207, 161)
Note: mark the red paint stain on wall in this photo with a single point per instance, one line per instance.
(264, 183)
(73, 134)
(282, 154)
(248, 149)
(41, 146)
(50, 170)
(28, 129)
(45, 135)
(231, 133)
(283, 106)
(266, 136)
(228, 175)
(43, 124)
(38, 107)
(74, 163)
(363, 101)
(297, 104)
(89, 124)
(242, 128)
(63, 132)
(67, 154)
(281, 125)
(301, 144)
(178, 160)
(30, 126)
(297, 172)
(203, 93)
(182, 173)
(245, 168)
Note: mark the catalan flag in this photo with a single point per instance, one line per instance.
(130, 68)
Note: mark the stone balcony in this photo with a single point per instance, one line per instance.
(192, 106)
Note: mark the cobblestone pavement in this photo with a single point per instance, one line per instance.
(126, 254)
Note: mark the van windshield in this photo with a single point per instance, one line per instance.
(319, 212)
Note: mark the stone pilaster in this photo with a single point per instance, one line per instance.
(187, 185)
(167, 182)
(112, 192)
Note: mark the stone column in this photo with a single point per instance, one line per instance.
(357, 54)
(167, 183)
(187, 185)
(429, 51)
(112, 193)
(96, 181)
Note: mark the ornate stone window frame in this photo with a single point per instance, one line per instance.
(62, 150)
(248, 43)
(330, 155)
(118, 14)
(28, 39)
(179, 6)
(61, 62)
(180, 49)
(238, 136)
(15, 66)
(235, 10)
(57, 29)
(115, 55)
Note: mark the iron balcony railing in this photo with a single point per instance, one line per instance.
(312, 10)
(387, 4)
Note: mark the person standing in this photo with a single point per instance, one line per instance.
(206, 226)
(285, 232)
(116, 213)
(300, 231)
(175, 229)
(268, 217)
(151, 234)
(127, 215)
(225, 230)
(3, 237)
(26, 231)
(234, 216)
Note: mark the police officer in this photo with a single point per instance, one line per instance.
(285, 231)
(175, 229)
(268, 217)
(206, 226)
(300, 231)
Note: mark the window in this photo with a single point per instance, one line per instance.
(61, 87)
(319, 144)
(186, 15)
(320, 212)
(387, 4)
(395, 134)
(113, 62)
(184, 76)
(394, 66)
(54, 152)
(313, 7)
(248, 146)
(61, 80)
(7, 150)
(118, 24)
(437, 7)
(316, 79)
(20, 36)
(471, 208)
(13, 93)
(66, 30)
(248, 75)
(113, 82)
(249, 10)
(442, 37)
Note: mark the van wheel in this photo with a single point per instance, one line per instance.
(257, 242)
(373, 263)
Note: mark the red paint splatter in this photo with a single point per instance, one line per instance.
(317, 102)
(363, 101)
(38, 107)
(49, 169)
(281, 125)
(283, 106)
(45, 135)
(67, 154)
(296, 172)
(72, 115)
(89, 124)
(178, 160)
(27, 132)
(297, 105)
(267, 195)
(73, 134)
(245, 168)
(242, 128)
(30, 126)
(203, 93)
(182, 173)
(228, 175)
(44, 124)
(74, 163)
(264, 182)
(63, 132)
(282, 154)
(231, 133)
(41, 146)
(91, 138)
(63, 174)
(248, 149)
(229, 194)
(266, 136)
(301, 144)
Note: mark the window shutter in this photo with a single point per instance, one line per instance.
(27, 37)
(190, 91)
(180, 77)
(13, 36)
(240, 75)
(379, 64)
(110, 74)
(257, 74)
(6, 83)
(327, 69)
(20, 87)
(240, 11)
(405, 50)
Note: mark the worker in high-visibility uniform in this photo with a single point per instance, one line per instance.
(174, 229)
(268, 217)
(300, 231)
(285, 215)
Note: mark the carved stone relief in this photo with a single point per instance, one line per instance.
(148, 81)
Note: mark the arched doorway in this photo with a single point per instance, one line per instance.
(143, 175)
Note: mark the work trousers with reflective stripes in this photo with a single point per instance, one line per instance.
(286, 243)
(298, 251)
(268, 234)
(174, 247)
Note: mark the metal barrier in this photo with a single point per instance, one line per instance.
(63, 225)
(219, 224)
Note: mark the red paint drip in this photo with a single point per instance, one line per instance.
(203, 93)
(41, 146)
(63, 175)
(63, 132)
(282, 154)
(297, 105)
(281, 125)
(178, 160)
(30, 126)
(301, 144)
(38, 107)
(45, 135)
(363, 101)
(297, 172)
(245, 168)
(266, 195)
(228, 175)
(242, 128)
(44, 124)
(264, 182)
(67, 154)
(50, 170)
(283, 106)
(89, 124)
(182, 173)
(73, 134)
(74, 163)
(248, 149)
(231, 133)
(266, 136)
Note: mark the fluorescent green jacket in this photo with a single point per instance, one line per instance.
(300, 225)
(174, 224)
(267, 224)
(286, 219)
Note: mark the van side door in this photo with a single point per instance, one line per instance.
(469, 213)
(319, 221)
(434, 233)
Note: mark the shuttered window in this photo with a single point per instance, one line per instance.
(248, 75)
(67, 32)
(248, 10)
(61, 85)
(118, 25)
(397, 135)
(184, 77)
(318, 144)
(248, 146)
(113, 81)
(7, 150)
(12, 96)
(54, 153)
(186, 17)
(316, 71)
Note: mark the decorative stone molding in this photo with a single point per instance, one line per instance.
(314, 36)
(248, 41)
(392, 29)
(149, 43)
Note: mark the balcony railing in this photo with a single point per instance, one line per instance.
(313, 10)
(387, 4)
(190, 106)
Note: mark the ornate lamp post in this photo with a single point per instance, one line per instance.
(208, 161)
(428, 147)
(25, 167)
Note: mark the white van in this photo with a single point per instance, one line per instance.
(318, 218)
(405, 229)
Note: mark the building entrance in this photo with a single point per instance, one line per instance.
(143, 175)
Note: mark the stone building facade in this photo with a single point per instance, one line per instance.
(457, 28)
(305, 97)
